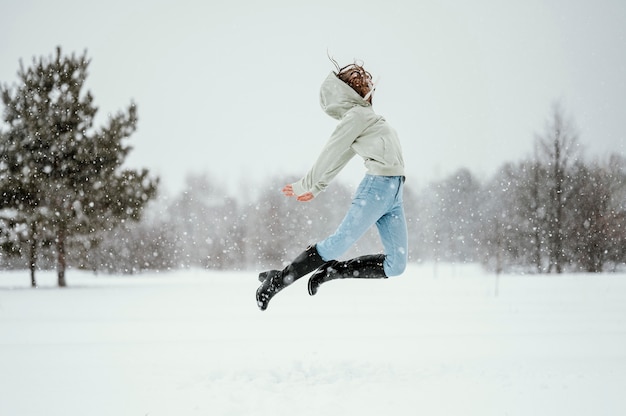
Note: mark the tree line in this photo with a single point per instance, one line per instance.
(528, 217)
(551, 213)
(66, 200)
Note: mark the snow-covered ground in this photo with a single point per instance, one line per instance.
(449, 340)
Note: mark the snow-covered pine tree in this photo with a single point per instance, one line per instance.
(63, 176)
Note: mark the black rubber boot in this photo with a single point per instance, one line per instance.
(364, 267)
(274, 280)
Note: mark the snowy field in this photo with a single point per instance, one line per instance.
(436, 341)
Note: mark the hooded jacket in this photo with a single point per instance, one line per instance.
(360, 132)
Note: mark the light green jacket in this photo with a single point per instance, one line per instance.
(360, 132)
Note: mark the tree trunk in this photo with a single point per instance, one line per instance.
(32, 255)
(557, 234)
(61, 257)
(536, 217)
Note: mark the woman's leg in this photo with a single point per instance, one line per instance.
(374, 197)
(393, 234)
(378, 202)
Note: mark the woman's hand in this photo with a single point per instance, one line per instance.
(288, 191)
(305, 197)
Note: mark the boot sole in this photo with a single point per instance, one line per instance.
(312, 288)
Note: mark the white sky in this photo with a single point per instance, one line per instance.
(231, 87)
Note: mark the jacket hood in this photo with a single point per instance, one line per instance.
(337, 97)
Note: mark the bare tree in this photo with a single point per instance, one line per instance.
(597, 227)
(557, 150)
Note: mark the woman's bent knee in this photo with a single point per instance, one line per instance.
(395, 268)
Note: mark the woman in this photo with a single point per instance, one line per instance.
(346, 95)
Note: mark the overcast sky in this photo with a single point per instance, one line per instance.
(231, 87)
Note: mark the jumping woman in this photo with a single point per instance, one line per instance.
(346, 95)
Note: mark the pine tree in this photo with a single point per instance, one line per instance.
(61, 174)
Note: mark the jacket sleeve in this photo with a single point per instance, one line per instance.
(334, 156)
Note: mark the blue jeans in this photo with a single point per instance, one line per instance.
(378, 200)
